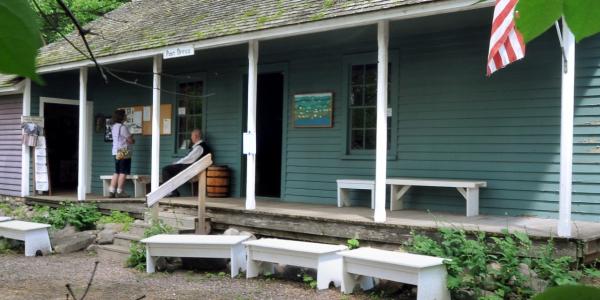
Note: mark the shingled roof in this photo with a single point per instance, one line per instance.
(147, 24)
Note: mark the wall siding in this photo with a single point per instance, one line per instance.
(11, 108)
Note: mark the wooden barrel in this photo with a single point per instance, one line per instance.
(217, 181)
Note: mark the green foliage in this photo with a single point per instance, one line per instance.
(119, 218)
(556, 270)
(534, 17)
(6, 247)
(312, 283)
(82, 216)
(19, 39)
(137, 251)
(579, 292)
(353, 244)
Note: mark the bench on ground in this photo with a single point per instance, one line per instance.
(3, 219)
(192, 245)
(468, 189)
(263, 253)
(428, 273)
(139, 184)
(344, 185)
(35, 235)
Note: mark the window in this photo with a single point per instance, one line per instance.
(189, 111)
(363, 108)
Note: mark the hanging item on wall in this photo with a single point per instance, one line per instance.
(100, 123)
(32, 128)
(108, 138)
(313, 110)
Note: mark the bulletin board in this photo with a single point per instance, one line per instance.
(133, 118)
(165, 123)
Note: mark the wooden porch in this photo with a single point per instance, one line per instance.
(326, 223)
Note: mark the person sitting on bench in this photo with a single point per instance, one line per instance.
(198, 150)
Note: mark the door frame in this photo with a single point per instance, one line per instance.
(90, 132)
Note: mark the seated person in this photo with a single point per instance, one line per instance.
(198, 150)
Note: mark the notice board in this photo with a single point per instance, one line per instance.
(165, 122)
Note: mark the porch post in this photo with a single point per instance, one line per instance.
(566, 133)
(383, 28)
(251, 157)
(82, 163)
(25, 158)
(155, 152)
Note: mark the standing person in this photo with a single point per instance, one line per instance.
(198, 150)
(122, 154)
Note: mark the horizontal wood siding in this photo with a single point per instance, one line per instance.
(11, 108)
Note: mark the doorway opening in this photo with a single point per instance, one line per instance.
(269, 129)
(61, 128)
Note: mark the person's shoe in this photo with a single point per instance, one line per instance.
(122, 195)
(111, 195)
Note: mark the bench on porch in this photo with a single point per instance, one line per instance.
(344, 185)
(35, 235)
(139, 184)
(205, 246)
(263, 253)
(468, 189)
(428, 273)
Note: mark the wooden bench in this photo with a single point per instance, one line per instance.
(263, 253)
(139, 184)
(35, 235)
(468, 189)
(206, 246)
(343, 185)
(428, 273)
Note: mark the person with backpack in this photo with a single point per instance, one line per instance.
(121, 141)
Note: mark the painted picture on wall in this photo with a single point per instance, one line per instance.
(313, 110)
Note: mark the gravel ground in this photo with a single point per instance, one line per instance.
(45, 278)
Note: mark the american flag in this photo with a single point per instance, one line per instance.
(506, 43)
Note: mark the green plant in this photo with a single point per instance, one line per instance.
(137, 252)
(309, 280)
(5, 209)
(119, 218)
(353, 243)
(82, 216)
(555, 270)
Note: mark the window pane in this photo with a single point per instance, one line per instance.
(370, 139)
(371, 95)
(370, 118)
(356, 96)
(357, 140)
(358, 118)
(371, 74)
(357, 74)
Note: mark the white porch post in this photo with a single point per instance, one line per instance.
(82, 163)
(25, 159)
(155, 152)
(566, 133)
(383, 28)
(251, 157)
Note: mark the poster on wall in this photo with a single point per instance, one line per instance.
(313, 110)
(133, 119)
(41, 165)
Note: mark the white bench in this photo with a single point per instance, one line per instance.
(428, 273)
(343, 185)
(468, 189)
(139, 184)
(3, 219)
(206, 246)
(263, 253)
(35, 235)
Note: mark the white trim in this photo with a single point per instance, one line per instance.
(251, 126)
(16, 88)
(83, 164)
(406, 12)
(25, 158)
(90, 113)
(155, 150)
(566, 133)
(383, 36)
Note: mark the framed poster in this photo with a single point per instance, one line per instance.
(313, 110)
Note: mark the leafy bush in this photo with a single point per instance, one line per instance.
(137, 251)
(353, 244)
(119, 218)
(82, 216)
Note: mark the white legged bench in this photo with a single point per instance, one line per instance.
(343, 185)
(207, 246)
(428, 273)
(35, 235)
(139, 184)
(323, 257)
(468, 189)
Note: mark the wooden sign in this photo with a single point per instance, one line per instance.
(178, 52)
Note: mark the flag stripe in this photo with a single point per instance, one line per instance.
(506, 43)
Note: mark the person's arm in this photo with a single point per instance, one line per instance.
(128, 136)
(192, 156)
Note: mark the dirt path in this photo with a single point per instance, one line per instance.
(45, 278)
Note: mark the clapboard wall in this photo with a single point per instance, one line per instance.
(11, 108)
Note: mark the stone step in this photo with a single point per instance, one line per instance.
(113, 253)
(175, 220)
(125, 239)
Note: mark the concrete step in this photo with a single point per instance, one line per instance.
(113, 253)
(125, 239)
(175, 220)
(137, 229)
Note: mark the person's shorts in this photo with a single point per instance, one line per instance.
(123, 166)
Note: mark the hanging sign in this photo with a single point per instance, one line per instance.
(178, 52)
